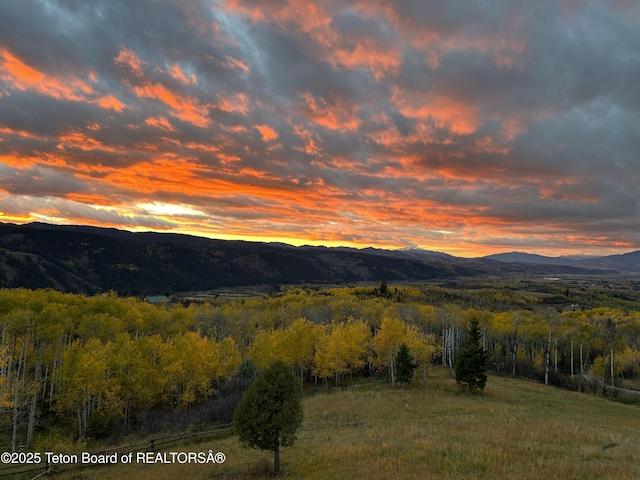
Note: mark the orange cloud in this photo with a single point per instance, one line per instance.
(177, 73)
(311, 142)
(231, 62)
(21, 133)
(23, 162)
(91, 199)
(505, 47)
(24, 77)
(82, 142)
(239, 103)
(20, 71)
(446, 112)
(176, 177)
(268, 133)
(339, 114)
(148, 177)
(366, 53)
(160, 122)
(128, 59)
(110, 102)
(316, 22)
(304, 16)
(183, 107)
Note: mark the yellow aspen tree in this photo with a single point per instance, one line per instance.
(298, 344)
(354, 344)
(450, 317)
(148, 391)
(630, 328)
(423, 348)
(136, 369)
(324, 361)
(265, 348)
(5, 400)
(341, 349)
(20, 328)
(390, 337)
(337, 358)
(226, 358)
(85, 381)
(190, 367)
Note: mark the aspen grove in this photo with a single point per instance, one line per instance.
(72, 361)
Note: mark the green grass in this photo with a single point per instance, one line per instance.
(514, 430)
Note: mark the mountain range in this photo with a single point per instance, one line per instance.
(83, 259)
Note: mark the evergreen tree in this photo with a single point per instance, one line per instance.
(471, 364)
(245, 374)
(271, 411)
(404, 365)
(383, 288)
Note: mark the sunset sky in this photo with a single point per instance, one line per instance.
(469, 127)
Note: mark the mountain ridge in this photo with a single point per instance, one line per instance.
(85, 259)
(623, 263)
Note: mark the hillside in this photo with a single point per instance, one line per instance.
(520, 257)
(89, 260)
(515, 429)
(625, 263)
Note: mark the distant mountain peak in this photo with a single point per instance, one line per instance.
(421, 251)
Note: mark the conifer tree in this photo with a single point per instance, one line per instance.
(404, 365)
(471, 364)
(271, 411)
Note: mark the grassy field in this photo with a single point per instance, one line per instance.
(514, 430)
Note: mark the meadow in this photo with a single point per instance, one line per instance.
(515, 429)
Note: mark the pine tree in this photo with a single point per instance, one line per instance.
(471, 364)
(271, 411)
(384, 288)
(404, 365)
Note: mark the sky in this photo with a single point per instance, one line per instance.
(463, 126)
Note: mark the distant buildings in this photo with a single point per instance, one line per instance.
(157, 299)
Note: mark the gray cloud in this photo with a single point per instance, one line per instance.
(402, 118)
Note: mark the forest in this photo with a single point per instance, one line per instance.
(75, 368)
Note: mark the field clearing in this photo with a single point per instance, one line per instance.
(516, 429)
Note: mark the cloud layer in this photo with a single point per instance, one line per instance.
(468, 127)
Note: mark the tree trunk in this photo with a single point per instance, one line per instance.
(612, 382)
(546, 367)
(14, 430)
(547, 358)
(18, 389)
(32, 410)
(581, 370)
(392, 369)
(602, 379)
(276, 460)
(514, 347)
(572, 358)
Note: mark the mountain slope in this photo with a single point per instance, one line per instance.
(90, 260)
(520, 257)
(624, 263)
